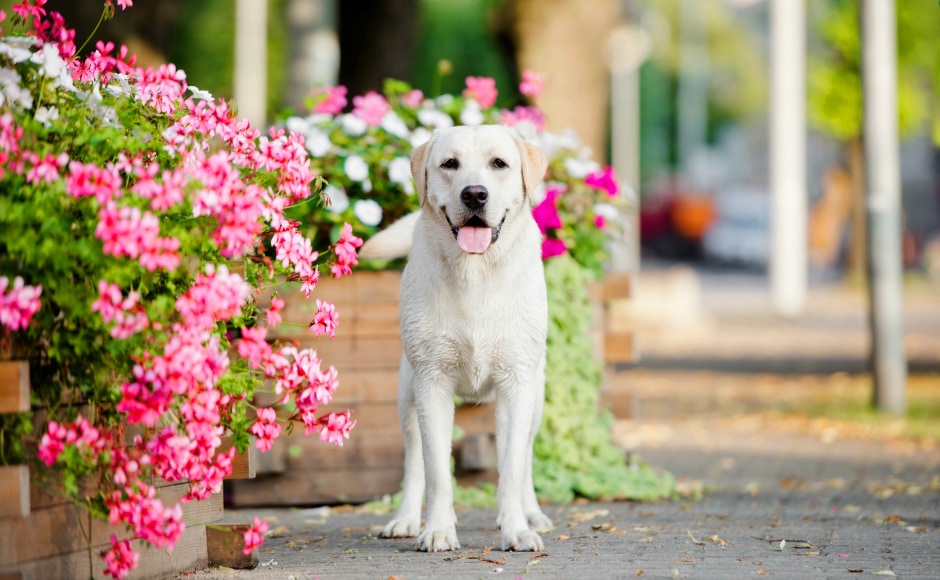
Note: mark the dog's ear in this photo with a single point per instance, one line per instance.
(534, 164)
(419, 169)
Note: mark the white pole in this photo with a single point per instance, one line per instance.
(882, 178)
(251, 60)
(788, 261)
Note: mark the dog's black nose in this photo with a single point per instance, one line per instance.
(474, 196)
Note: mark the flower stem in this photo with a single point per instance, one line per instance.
(91, 35)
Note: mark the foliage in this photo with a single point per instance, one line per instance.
(140, 235)
(364, 154)
(835, 85)
(574, 454)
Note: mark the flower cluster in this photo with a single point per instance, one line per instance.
(141, 225)
(364, 156)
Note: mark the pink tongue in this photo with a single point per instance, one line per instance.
(474, 240)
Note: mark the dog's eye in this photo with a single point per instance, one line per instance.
(499, 163)
(451, 164)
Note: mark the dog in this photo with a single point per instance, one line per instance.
(474, 320)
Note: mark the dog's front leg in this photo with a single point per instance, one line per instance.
(514, 414)
(407, 520)
(435, 406)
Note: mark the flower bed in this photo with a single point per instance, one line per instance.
(140, 223)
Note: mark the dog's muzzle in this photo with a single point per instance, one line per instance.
(475, 236)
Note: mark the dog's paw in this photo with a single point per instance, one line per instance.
(443, 540)
(402, 528)
(524, 540)
(538, 521)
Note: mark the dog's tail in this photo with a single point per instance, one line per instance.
(392, 242)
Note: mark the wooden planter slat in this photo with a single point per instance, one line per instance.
(14, 491)
(367, 353)
(245, 465)
(14, 387)
(57, 530)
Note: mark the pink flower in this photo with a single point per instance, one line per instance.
(333, 103)
(345, 252)
(521, 116)
(47, 169)
(125, 312)
(335, 427)
(532, 84)
(87, 180)
(483, 89)
(552, 247)
(600, 222)
(370, 107)
(265, 428)
(18, 307)
(326, 319)
(121, 558)
(413, 98)
(273, 314)
(254, 537)
(253, 347)
(605, 180)
(546, 213)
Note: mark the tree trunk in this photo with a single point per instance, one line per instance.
(567, 41)
(377, 41)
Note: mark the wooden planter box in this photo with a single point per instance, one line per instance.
(43, 535)
(303, 470)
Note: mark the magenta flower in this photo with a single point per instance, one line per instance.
(600, 222)
(483, 89)
(552, 247)
(371, 107)
(546, 213)
(345, 252)
(120, 559)
(335, 427)
(605, 180)
(532, 84)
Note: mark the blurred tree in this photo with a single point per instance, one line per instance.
(377, 41)
(737, 79)
(567, 41)
(835, 88)
(461, 38)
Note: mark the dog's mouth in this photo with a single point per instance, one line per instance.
(475, 236)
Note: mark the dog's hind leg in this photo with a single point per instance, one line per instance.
(407, 520)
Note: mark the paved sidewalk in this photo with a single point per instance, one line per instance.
(782, 500)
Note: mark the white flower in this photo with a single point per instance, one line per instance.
(318, 143)
(579, 168)
(434, 118)
(339, 202)
(399, 171)
(419, 137)
(471, 114)
(122, 88)
(355, 168)
(199, 94)
(53, 67)
(353, 125)
(444, 100)
(46, 114)
(394, 125)
(368, 211)
(296, 124)
(11, 90)
(17, 47)
(607, 211)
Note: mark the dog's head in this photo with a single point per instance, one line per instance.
(475, 178)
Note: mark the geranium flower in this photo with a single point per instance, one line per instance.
(605, 180)
(254, 537)
(552, 247)
(532, 84)
(483, 89)
(546, 213)
(370, 107)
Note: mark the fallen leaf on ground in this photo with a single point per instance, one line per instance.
(562, 537)
(278, 532)
(884, 573)
(588, 516)
(694, 541)
(716, 540)
(537, 556)
(856, 570)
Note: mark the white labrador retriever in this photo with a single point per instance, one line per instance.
(473, 324)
